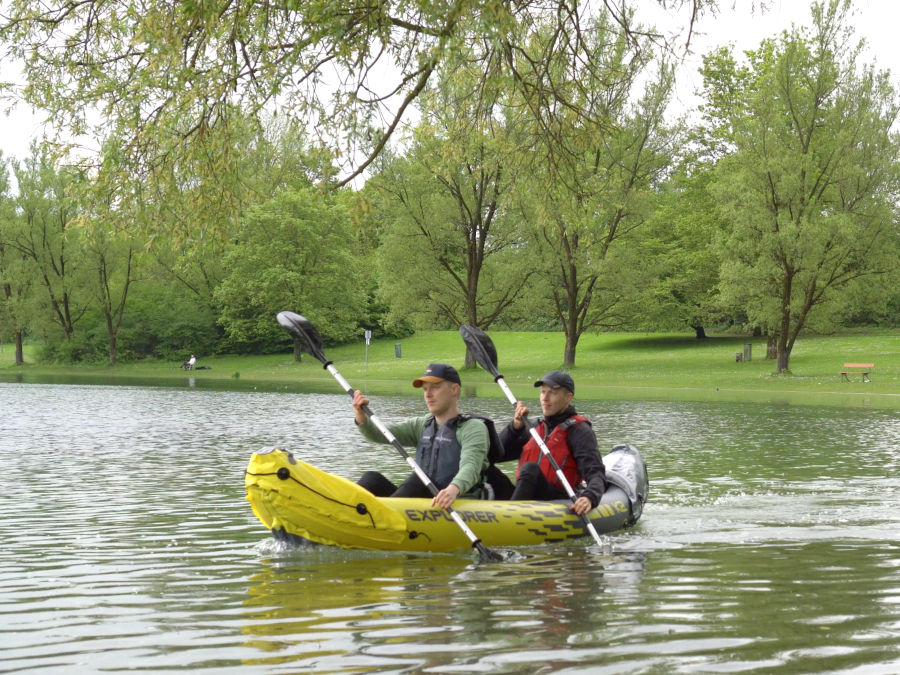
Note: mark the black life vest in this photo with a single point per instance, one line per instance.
(438, 450)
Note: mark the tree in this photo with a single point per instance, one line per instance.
(112, 253)
(808, 174)
(13, 282)
(111, 218)
(679, 249)
(47, 239)
(167, 76)
(193, 213)
(594, 184)
(292, 252)
(443, 213)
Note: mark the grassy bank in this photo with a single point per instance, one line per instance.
(609, 366)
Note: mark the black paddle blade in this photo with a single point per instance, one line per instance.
(303, 330)
(481, 347)
(487, 555)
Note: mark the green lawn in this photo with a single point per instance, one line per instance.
(609, 366)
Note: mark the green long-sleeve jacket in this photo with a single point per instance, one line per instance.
(471, 434)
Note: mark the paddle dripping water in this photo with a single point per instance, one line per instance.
(768, 544)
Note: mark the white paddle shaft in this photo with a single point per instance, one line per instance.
(546, 452)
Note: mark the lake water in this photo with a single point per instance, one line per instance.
(769, 544)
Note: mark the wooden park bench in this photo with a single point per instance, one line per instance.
(862, 368)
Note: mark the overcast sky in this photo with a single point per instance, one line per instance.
(875, 20)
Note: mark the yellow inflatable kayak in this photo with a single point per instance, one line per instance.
(296, 500)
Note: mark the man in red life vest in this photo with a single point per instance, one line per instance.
(571, 441)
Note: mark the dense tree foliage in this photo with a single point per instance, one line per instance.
(681, 256)
(14, 281)
(808, 174)
(292, 253)
(587, 197)
(540, 186)
(168, 76)
(448, 244)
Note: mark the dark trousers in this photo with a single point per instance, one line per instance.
(380, 486)
(532, 484)
(500, 484)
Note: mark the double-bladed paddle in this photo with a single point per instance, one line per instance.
(303, 330)
(482, 348)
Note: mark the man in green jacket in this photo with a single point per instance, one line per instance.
(452, 449)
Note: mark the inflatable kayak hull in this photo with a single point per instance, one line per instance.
(296, 500)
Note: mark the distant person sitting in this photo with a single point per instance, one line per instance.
(189, 364)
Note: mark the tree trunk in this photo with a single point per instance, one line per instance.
(298, 351)
(784, 351)
(115, 315)
(570, 316)
(571, 344)
(20, 357)
(700, 332)
(470, 361)
(784, 358)
(111, 333)
(771, 347)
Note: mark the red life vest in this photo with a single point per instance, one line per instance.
(558, 446)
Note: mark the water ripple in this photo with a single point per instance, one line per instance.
(769, 543)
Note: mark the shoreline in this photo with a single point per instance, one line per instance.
(486, 390)
(609, 366)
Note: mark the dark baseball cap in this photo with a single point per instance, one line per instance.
(435, 372)
(557, 378)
